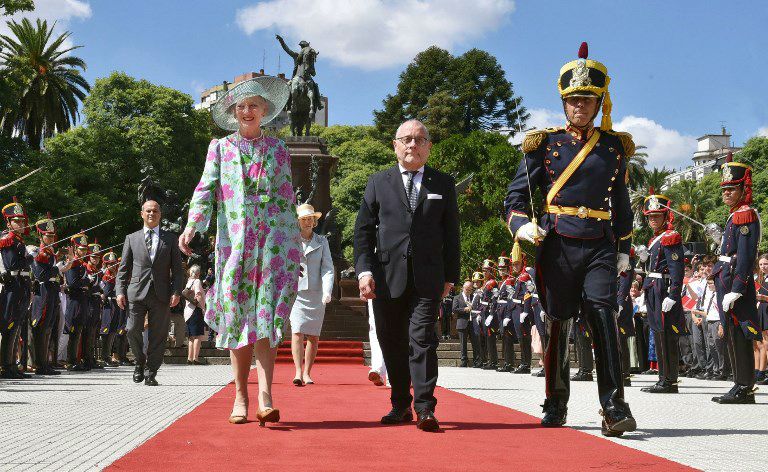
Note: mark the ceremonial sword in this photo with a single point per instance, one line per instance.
(83, 231)
(21, 178)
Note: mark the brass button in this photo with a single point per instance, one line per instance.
(573, 142)
(610, 149)
(551, 172)
(549, 148)
(559, 143)
(606, 199)
(610, 188)
(582, 212)
(597, 145)
(547, 162)
(616, 171)
(556, 154)
(613, 178)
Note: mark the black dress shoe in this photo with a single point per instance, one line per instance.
(504, 368)
(540, 373)
(739, 395)
(522, 369)
(397, 416)
(627, 382)
(490, 366)
(661, 387)
(125, 362)
(555, 413)
(477, 365)
(150, 379)
(463, 364)
(427, 421)
(138, 374)
(582, 376)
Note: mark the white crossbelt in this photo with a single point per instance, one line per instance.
(483, 303)
(515, 300)
(23, 273)
(724, 259)
(535, 295)
(504, 302)
(658, 275)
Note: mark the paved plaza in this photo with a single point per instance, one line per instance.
(85, 421)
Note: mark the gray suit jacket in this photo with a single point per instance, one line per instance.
(138, 274)
(459, 309)
(318, 270)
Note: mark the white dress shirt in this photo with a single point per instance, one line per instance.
(416, 178)
(155, 240)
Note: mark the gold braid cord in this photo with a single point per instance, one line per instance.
(533, 140)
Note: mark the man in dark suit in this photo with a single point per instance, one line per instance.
(151, 276)
(407, 258)
(462, 305)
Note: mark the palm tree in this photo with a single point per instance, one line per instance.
(653, 180)
(689, 199)
(636, 168)
(51, 85)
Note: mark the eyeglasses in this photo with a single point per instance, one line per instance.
(406, 140)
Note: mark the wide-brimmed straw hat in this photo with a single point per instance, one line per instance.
(306, 210)
(273, 90)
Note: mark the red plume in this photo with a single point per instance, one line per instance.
(503, 254)
(748, 187)
(15, 200)
(48, 214)
(583, 50)
(651, 191)
(729, 157)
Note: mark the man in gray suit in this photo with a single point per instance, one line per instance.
(462, 305)
(151, 276)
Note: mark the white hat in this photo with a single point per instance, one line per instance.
(305, 210)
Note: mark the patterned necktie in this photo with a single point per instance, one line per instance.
(411, 193)
(148, 240)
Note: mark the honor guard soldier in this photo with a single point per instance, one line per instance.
(14, 288)
(77, 301)
(626, 319)
(46, 287)
(663, 286)
(94, 274)
(109, 316)
(121, 341)
(490, 292)
(735, 287)
(501, 311)
(476, 317)
(584, 237)
(537, 313)
(523, 320)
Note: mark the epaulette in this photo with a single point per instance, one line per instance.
(490, 284)
(43, 257)
(626, 142)
(8, 239)
(534, 139)
(744, 215)
(671, 238)
(526, 296)
(76, 263)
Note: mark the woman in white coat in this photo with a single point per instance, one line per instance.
(315, 287)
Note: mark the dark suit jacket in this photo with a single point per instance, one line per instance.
(459, 309)
(385, 226)
(138, 274)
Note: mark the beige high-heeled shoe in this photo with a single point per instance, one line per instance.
(268, 415)
(239, 413)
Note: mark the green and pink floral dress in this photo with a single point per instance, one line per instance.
(257, 238)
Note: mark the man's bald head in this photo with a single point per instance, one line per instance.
(412, 144)
(151, 213)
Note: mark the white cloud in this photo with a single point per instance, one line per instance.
(59, 11)
(665, 147)
(763, 132)
(375, 34)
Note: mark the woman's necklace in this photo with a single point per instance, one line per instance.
(248, 152)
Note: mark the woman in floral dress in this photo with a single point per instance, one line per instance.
(248, 176)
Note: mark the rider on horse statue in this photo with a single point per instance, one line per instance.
(303, 71)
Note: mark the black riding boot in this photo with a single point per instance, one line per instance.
(557, 370)
(617, 418)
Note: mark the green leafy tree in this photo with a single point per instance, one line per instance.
(51, 84)
(636, 168)
(10, 7)
(455, 94)
(132, 125)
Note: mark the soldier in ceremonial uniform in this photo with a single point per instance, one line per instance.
(735, 287)
(90, 335)
(14, 291)
(121, 341)
(626, 319)
(77, 301)
(488, 328)
(46, 273)
(109, 316)
(663, 286)
(501, 311)
(522, 317)
(476, 317)
(584, 237)
(537, 313)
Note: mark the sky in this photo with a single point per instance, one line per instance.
(679, 69)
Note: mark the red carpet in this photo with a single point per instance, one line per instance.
(328, 352)
(334, 425)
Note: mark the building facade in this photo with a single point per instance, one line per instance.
(710, 154)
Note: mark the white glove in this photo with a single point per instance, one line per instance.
(667, 304)
(505, 322)
(620, 308)
(622, 262)
(526, 232)
(729, 299)
(478, 319)
(488, 320)
(326, 299)
(523, 316)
